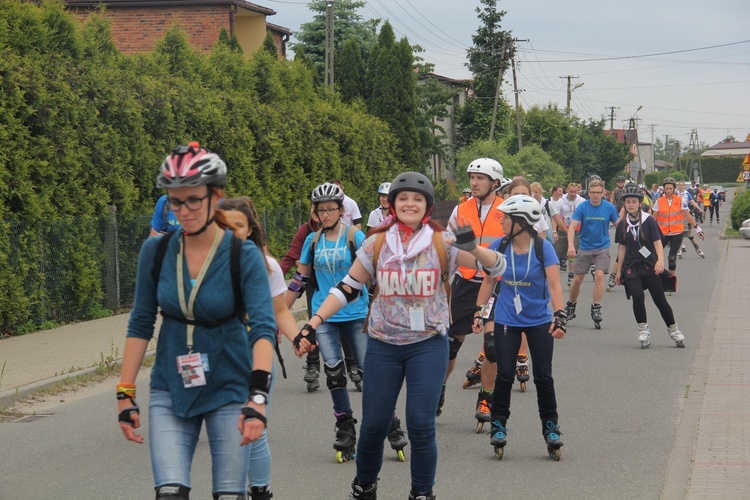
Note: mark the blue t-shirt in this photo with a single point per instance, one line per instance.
(160, 211)
(531, 286)
(594, 222)
(332, 262)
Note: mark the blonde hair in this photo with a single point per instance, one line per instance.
(596, 183)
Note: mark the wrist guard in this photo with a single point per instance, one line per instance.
(310, 335)
(125, 415)
(561, 319)
(465, 238)
(260, 381)
(251, 413)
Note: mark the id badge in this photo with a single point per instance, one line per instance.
(645, 252)
(190, 366)
(517, 303)
(416, 318)
(488, 308)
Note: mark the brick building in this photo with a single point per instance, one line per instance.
(137, 25)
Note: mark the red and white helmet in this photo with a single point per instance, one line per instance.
(190, 166)
(486, 166)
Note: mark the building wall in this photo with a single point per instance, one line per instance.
(250, 29)
(139, 29)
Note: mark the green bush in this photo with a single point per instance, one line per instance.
(740, 210)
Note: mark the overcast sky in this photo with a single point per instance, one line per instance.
(707, 89)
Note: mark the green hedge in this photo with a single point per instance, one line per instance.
(721, 169)
(740, 210)
(84, 128)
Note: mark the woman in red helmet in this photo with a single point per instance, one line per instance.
(209, 367)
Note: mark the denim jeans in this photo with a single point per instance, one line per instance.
(259, 453)
(329, 340)
(541, 346)
(173, 442)
(423, 365)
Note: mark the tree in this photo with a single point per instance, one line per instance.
(432, 105)
(487, 56)
(350, 71)
(269, 45)
(347, 24)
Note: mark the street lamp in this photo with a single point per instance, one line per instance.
(633, 125)
(570, 92)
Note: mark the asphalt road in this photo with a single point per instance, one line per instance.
(619, 409)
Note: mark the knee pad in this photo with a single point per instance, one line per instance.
(173, 492)
(489, 346)
(230, 496)
(335, 375)
(672, 263)
(454, 345)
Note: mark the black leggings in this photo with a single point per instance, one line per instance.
(711, 211)
(674, 242)
(637, 288)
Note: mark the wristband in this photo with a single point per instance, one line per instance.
(127, 389)
(301, 278)
(478, 308)
(260, 380)
(319, 316)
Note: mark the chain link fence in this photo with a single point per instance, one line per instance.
(68, 270)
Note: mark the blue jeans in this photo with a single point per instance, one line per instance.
(173, 440)
(329, 340)
(423, 365)
(541, 346)
(259, 453)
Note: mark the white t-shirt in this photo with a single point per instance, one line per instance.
(376, 217)
(565, 207)
(275, 277)
(351, 211)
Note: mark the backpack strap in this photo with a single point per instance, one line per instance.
(161, 251)
(313, 244)
(377, 246)
(437, 241)
(165, 214)
(351, 241)
(235, 269)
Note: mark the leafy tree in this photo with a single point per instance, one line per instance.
(488, 54)
(347, 24)
(432, 105)
(350, 72)
(269, 45)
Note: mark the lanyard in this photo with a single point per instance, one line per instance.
(513, 265)
(324, 255)
(187, 309)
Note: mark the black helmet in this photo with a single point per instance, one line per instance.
(670, 180)
(412, 181)
(631, 189)
(620, 178)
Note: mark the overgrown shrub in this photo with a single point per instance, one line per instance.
(740, 210)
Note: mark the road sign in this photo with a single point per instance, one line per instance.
(746, 175)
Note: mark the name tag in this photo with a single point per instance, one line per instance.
(191, 367)
(645, 252)
(517, 303)
(416, 319)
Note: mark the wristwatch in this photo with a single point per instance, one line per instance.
(259, 398)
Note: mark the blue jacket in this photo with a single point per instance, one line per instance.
(229, 347)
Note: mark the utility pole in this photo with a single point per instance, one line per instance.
(497, 89)
(329, 45)
(570, 91)
(611, 116)
(515, 91)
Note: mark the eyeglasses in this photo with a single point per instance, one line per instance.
(192, 204)
(596, 192)
(327, 211)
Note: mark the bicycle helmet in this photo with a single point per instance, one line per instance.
(384, 187)
(620, 178)
(327, 192)
(524, 206)
(412, 181)
(467, 190)
(669, 180)
(486, 166)
(632, 190)
(190, 166)
(594, 178)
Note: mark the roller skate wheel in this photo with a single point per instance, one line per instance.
(340, 457)
(480, 425)
(523, 386)
(645, 344)
(598, 326)
(555, 454)
(401, 457)
(609, 288)
(467, 384)
(499, 452)
(680, 344)
(358, 386)
(312, 386)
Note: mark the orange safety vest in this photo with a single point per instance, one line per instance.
(671, 219)
(488, 232)
(707, 198)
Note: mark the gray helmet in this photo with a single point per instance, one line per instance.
(632, 189)
(594, 178)
(190, 166)
(669, 180)
(412, 181)
(327, 192)
(620, 178)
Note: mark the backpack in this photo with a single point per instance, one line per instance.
(351, 242)
(437, 242)
(235, 271)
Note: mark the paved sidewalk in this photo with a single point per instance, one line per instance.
(710, 458)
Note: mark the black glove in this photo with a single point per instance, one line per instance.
(310, 336)
(125, 415)
(251, 413)
(465, 238)
(561, 319)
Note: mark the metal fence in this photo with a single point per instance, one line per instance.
(77, 269)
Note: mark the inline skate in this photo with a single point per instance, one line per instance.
(363, 491)
(644, 336)
(397, 438)
(677, 336)
(441, 402)
(474, 374)
(346, 438)
(499, 437)
(611, 283)
(551, 432)
(522, 370)
(592, 270)
(312, 374)
(413, 495)
(484, 403)
(355, 375)
(596, 315)
(570, 310)
(260, 493)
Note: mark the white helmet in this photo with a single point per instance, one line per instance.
(522, 205)
(327, 192)
(384, 188)
(486, 166)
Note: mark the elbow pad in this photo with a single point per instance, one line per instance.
(498, 268)
(347, 290)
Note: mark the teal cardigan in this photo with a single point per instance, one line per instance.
(229, 347)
